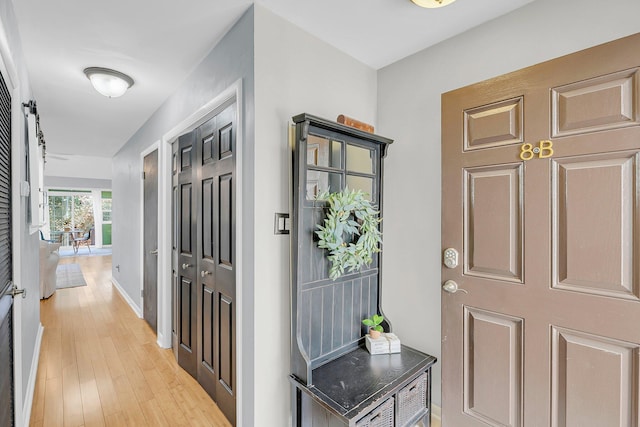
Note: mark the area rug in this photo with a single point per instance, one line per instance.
(69, 276)
(67, 251)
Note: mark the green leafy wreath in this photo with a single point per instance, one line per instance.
(350, 214)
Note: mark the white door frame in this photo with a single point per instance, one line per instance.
(201, 115)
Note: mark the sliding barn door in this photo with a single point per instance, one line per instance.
(205, 226)
(541, 199)
(6, 265)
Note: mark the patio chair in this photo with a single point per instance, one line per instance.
(84, 240)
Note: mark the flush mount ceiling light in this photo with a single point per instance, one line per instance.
(108, 82)
(432, 3)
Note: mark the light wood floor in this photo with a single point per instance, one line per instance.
(100, 365)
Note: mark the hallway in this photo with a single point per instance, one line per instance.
(100, 365)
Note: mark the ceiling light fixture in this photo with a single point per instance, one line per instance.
(432, 3)
(110, 83)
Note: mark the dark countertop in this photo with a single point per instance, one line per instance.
(353, 383)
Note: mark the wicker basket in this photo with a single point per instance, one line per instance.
(382, 416)
(412, 400)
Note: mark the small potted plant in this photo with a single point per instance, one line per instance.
(374, 324)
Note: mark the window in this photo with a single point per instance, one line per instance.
(106, 210)
(69, 211)
(105, 205)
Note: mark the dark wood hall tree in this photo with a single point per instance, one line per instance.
(335, 381)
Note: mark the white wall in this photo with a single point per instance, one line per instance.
(75, 166)
(68, 183)
(295, 73)
(409, 111)
(25, 267)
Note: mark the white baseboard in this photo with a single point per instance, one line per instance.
(33, 373)
(436, 413)
(162, 342)
(137, 310)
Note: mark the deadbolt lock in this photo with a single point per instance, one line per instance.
(450, 258)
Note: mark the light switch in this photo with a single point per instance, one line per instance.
(281, 223)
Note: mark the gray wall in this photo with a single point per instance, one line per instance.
(409, 111)
(26, 269)
(231, 59)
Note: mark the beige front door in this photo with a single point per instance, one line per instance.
(541, 199)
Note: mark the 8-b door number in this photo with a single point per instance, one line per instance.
(543, 150)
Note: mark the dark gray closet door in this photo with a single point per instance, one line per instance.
(186, 243)
(204, 197)
(216, 258)
(150, 281)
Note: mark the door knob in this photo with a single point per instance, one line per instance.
(452, 287)
(154, 252)
(204, 273)
(185, 266)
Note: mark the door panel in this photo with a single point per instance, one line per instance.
(208, 313)
(493, 223)
(186, 202)
(612, 364)
(611, 100)
(175, 283)
(546, 333)
(222, 279)
(187, 337)
(225, 366)
(207, 310)
(186, 258)
(493, 125)
(206, 234)
(150, 284)
(493, 366)
(208, 217)
(225, 224)
(594, 253)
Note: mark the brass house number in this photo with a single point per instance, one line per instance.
(543, 150)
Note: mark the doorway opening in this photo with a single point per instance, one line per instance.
(78, 219)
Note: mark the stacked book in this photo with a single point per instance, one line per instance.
(385, 344)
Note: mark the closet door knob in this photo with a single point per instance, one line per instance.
(204, 273)
(185, 266)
